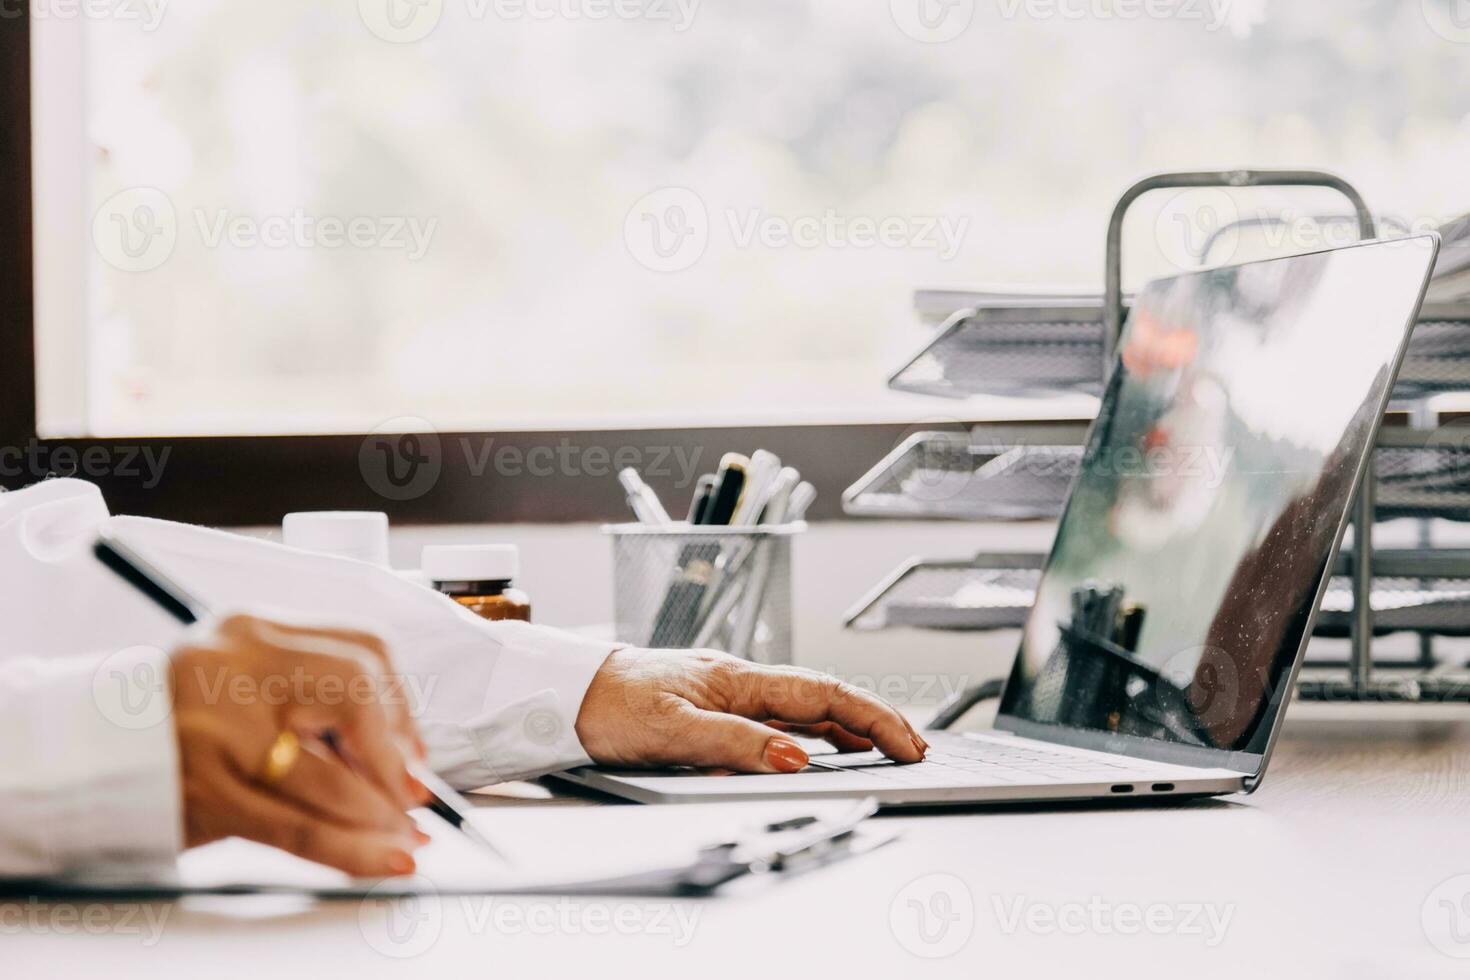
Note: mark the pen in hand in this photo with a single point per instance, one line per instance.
(178, 603)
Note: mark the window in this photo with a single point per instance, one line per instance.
(262, 218)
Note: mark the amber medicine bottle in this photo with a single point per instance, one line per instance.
(479, 577)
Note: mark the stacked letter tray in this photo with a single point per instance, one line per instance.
(1053, 345)
(1025, 472)
(1414, 590)
(990, 473)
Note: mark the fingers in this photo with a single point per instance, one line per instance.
(259, 816)
(830, 732)
(364, 646)
(363, 739)
(723, 741)
(330, 682)
(325, 787)
(808, 698)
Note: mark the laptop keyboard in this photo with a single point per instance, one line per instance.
(963, 760)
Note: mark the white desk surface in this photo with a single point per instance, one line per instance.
(1333, 869)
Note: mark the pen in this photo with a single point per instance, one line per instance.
(774, 512)
(174, 600)
(730, 483)
(678, 617)
(801, 499)
(703, 491)
(760, 476)
(642, 499)
(735, 488)
(776, 509)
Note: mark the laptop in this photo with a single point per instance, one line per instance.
(1174, 610)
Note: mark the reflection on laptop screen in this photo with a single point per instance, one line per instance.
(1213, 487)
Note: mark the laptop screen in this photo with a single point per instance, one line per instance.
(1213, 490)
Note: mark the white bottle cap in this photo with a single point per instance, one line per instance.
(360, 534)
(471, 562)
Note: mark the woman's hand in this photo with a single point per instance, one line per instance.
(237, 686)
(708, 709)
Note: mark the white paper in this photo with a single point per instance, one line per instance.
(543, 845)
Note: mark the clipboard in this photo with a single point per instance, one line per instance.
(783, 840)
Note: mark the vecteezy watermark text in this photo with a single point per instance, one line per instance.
(668, 230)
(131, 689)
(938, 21)
(147, 14)
(407, 21)
(904, 688)
(1207, 921)
(934, 915)
(1206, 225)
(1211, 14)
(829, 229)
(34, 917)
(137, 230)
(405, 465)
(300, 229)
(37, 461)
(407, 926)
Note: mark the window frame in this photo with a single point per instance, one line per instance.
(254, 480)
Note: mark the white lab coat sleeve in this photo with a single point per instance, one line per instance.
(495, 701)
(517, 719)
(89, 772)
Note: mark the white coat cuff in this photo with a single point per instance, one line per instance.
(529, 726)
(105, 760)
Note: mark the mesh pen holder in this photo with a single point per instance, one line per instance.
(720, 588)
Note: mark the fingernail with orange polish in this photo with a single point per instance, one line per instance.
(401, 863)
(416, 789)
(784, 755)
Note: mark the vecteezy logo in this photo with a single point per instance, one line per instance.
(401, 459)
(931, 481)
(135, 230)
(932, 21)
(667, 230)
(933, 916)
(402, 926)
(1450, 19)
(1445, 917)
(401, 21)
(1199, 681)
(542, 726)
(1198, 226)
(130, 690)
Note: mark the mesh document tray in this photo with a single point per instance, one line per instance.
(991, 472)
(1012, 347)
(1422, 481)
(988, 592)
(1025, 472)
(1414, 590)
(1054, 345)
(1438, 359)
